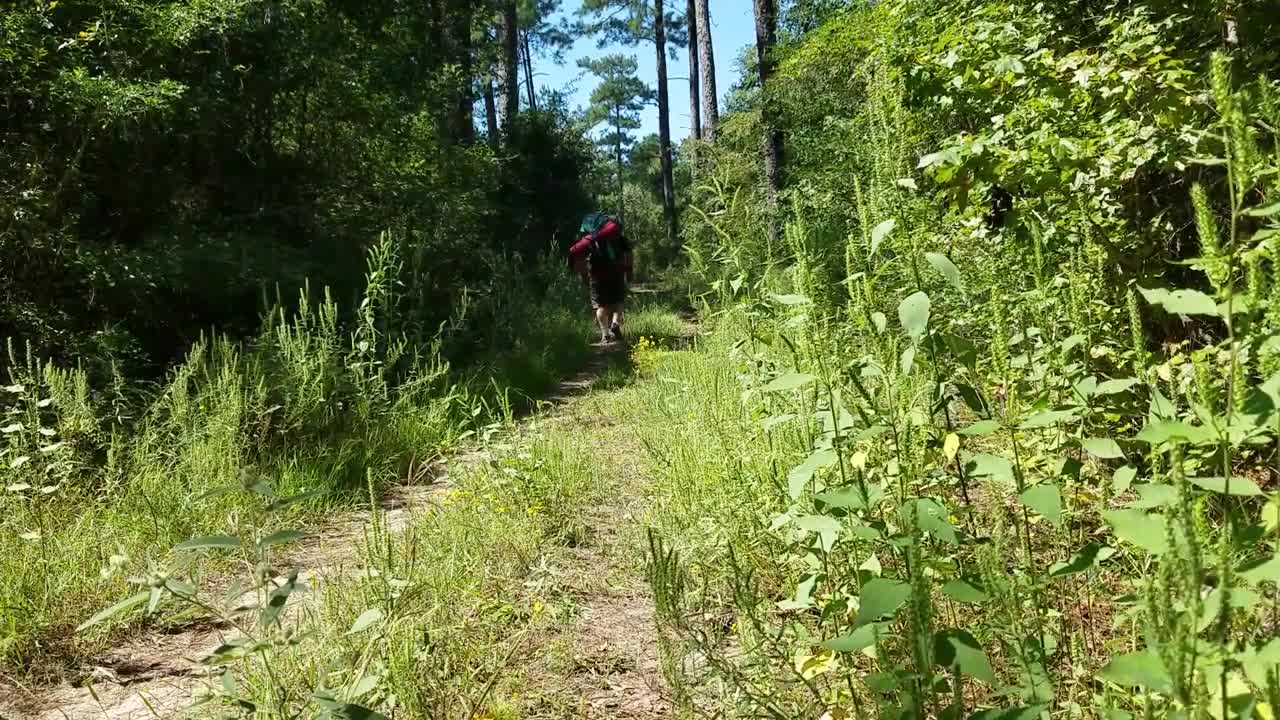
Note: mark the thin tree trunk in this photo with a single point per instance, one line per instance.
(617, 146)
(510, 61)
(528, 74)
(466, 93)
(491, 112)
(707, 60)
(766, 12)
(695, 109)
(664, 125)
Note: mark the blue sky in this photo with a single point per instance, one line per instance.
(732, 27)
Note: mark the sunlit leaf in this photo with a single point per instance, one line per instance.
(982, 427)
(365, 621)
(801, 474)
(1265, 569)
(1046, 500)
(1181, 302)
(880, 232)
(790, 381)
(880, 597)
(1104, 448)
(859, 639)
(281, 537)
(913, 313)
(964, 591)
(791, 299)
(959, 649)
(1123, 478)
(1115, 387)
(948, 269)
(1138, 669)
(1086, 559)
(1049, 418)
(120, 607)
(1237, 485)
(993, 466)
(1146, 530)
(1163, 431)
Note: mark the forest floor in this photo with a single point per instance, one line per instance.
(597, 659)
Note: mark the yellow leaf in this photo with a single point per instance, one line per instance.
(1271, 514)
(811, 666)
(951, 446)
(859, 460)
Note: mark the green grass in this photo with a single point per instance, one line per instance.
(309, 413)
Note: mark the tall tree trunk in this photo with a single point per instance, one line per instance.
(707, 60)
(491, 112)
(766, 37)
(510, 61)
(466, 93)
(664, 125)
(617, 149)
(528, 73)
(695, 109)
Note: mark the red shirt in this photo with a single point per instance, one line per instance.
(612, 231)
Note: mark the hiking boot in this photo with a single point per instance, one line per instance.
(616, 332)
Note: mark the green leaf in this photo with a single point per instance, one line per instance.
(850, 497)
(1104, 448)
(913, 313)
(1154, 495)
(965, 592)
(826, 527)
(281, 537)
(959, 649)
(1265, 569)
(863, 637)
(880, 232)
(982, 427)
(1138, 669)
(1146, 530)
(880, 321)
(791, 299)
(277, 600)
(1115, 387)
(880, 597)
(943, 264)
(931, 517)
(1046, 500)
(1258, 664)
(1163, 431)
(1086, 559)
(1123, 478)
(365, 621)
(1211, 612)
(1263, 210)
(1048, 418)
(790, 381)
(801, 474)
(122, 606)
(1181, 302)
(222, 542)
(993, 466)
(1238, 486)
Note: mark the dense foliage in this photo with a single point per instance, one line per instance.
(1007, 432)
(167, 165)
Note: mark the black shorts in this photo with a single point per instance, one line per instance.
(608, 290)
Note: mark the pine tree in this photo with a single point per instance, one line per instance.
(617, 102)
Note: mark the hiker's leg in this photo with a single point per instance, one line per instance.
(602, 317)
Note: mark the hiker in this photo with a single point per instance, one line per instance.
(603, 258)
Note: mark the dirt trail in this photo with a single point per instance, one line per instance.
(611, 667)
(154, 675)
